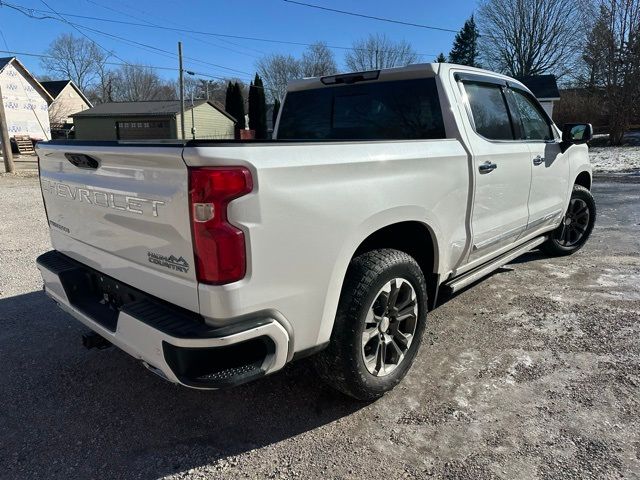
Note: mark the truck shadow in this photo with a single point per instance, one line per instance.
(531, 256)
(71, 413)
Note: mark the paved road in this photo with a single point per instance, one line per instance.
(533, 373)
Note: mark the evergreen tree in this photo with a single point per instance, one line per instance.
(257, 108)
(228, 98)
(253, 107)
(276, 109)
(441, 58)
(465, 45)
(261, 130)
(237, 103)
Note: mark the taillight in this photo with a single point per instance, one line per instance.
(219, 247)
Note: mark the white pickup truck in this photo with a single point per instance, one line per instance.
(217, 262)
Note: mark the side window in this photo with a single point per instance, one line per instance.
(489, 110)
(534, 124)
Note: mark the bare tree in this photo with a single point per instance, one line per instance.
(135, 83)
(613, 57)
(104, 90)
(214, 90)
(277, 71)
(318, 60)
(530, 37)
(191, 88)
(59, 112)
(379, 51)
(76, 58)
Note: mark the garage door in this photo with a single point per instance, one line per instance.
(144, 130)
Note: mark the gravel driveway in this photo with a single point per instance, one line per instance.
(532, 373)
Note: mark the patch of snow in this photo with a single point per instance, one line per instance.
(615, 159)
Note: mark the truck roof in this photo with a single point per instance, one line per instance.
(418, 70)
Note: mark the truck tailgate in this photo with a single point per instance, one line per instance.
(124, 211)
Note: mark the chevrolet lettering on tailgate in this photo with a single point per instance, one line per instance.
(138, 205)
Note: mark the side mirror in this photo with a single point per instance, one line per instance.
(574, 133)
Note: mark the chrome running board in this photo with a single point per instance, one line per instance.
(476, 274)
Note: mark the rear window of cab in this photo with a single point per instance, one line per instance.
(392, 110)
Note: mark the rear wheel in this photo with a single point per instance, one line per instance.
(576, 226)
(379, 325)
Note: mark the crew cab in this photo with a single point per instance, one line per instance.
(217, 262)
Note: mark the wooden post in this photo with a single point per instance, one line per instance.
(7, 154)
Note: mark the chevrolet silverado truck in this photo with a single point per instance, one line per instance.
(218, 262)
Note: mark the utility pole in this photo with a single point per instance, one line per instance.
(7, 154)
(193, 118)
(181, 80)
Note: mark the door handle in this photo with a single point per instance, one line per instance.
(538, 160)
(487, 167)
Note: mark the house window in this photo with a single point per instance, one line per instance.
(144, 130)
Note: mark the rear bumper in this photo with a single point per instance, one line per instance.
(172, 342)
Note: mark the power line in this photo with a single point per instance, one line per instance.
(40, 55)
(120, 12)
(30, 12)
(4, 39)
(371, 17)
(154, 67)
(157, 49)
(130, 7)
(79, 29)
(82, 33)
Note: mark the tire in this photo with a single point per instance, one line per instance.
(363, 369)
(576, 227)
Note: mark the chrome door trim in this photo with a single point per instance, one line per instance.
(497, 238)
(544, 219)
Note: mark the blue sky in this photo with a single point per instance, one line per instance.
(271, 19)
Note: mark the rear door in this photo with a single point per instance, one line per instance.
(124, 211)
(550, 167)
(502, 167)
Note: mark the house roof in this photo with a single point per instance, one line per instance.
(4, 61)
(54, 87)
(145, 108)
(544, 87)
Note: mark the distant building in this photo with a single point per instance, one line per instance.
(26, 101)
(545, 88)
(152, 120)
(67, 100)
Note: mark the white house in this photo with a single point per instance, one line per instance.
(545, 88)
(26, 101)
(68, 99)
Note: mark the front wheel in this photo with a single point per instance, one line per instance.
(576, 226)
(379, 325)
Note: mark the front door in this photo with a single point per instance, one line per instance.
(502, 169)
(550, 167)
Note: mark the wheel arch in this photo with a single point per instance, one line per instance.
(370, 234)
(416, 239)
(584, 179)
